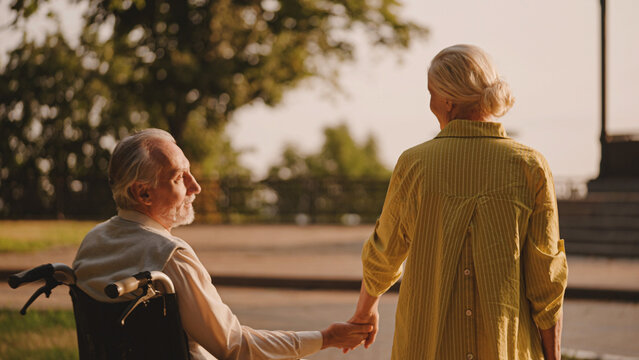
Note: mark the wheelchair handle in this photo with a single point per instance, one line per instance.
(137, 281)
(59, 272)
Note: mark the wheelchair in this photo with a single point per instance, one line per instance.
(148, 327)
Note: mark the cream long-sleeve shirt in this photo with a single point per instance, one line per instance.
(132, 242)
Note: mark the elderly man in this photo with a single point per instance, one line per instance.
(154, 190)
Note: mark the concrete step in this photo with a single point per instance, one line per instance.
(618, 222)
(605, 250)
(599, 208)
(599, 235)
(600, 226)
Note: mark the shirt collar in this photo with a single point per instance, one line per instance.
(138, 217)
(469, 128)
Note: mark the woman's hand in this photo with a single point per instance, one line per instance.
(345, 335)
(370, 317)
(367, 313)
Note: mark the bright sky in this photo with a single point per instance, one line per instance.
(547, 50)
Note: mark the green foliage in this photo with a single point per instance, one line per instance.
(184, 66)
(344, 182)
(217, 55)
(340, 156)
(51, 108)
(39, 335)
(212, 148)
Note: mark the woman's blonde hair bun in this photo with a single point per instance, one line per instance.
(496, 99)
(466, 75)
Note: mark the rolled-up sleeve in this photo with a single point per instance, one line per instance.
(544, 255)
(388, 245)
(211, 323)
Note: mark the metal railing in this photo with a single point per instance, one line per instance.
(232, 200)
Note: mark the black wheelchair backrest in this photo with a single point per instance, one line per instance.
(148, 327)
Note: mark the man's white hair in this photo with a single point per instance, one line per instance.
(132, 162)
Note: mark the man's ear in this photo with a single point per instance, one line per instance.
(141, 193)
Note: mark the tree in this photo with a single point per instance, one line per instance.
(184, 66)
(51, 107)
(216, 157)
(340, 156)
(343, 181)
(215, 56)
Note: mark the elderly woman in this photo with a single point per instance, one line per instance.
(474, 215)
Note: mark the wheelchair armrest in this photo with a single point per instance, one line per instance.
(132, 283)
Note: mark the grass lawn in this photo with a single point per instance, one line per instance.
(40, 335)
(34, 235)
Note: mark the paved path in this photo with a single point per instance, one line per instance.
(599, 327)
(329, 252)
(332, 252)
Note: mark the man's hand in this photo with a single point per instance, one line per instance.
(367, 313)
(345, 335)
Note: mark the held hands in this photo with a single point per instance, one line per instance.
(345, 335)
(366, 313)
(370, 317)
(361, 328)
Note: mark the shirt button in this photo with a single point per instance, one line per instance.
(466, 272)
(470, 356)
(469, 312)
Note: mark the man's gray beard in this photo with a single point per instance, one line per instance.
(184, 216)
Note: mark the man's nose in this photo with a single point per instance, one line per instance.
(193, 187)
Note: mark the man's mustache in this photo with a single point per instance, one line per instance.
(189, 200)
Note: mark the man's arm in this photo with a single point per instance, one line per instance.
(551, 340)
(212, 324)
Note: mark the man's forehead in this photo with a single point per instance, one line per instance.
(170, 156)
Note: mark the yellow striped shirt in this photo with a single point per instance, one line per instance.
(474, 215)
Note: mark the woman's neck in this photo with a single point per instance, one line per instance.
(466, 113)
(458, 113)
